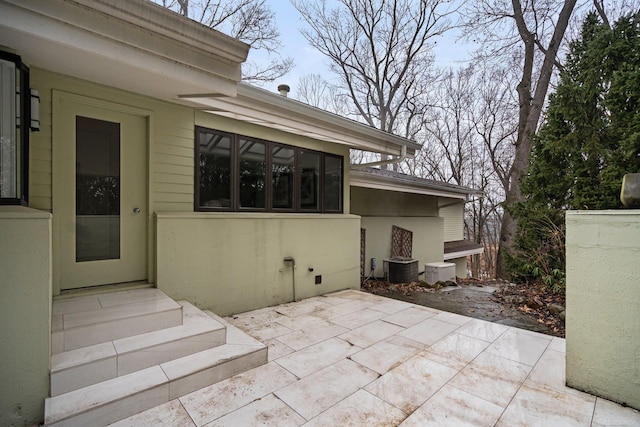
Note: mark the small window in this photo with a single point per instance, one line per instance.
(14, 130)
(238, 173)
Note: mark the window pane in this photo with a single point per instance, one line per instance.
(8, 142)
(283, 172)
(332, 183)
(309, 180)
(97, 189)
(252, 174)
(215, 170)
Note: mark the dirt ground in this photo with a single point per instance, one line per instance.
(531, 307)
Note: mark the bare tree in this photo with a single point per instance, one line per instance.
(381, 51)
(533, 31)
(251, 21)
(312, 89)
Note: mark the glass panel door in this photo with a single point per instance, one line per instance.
(97, 189)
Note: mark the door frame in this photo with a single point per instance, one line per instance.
(59, 98)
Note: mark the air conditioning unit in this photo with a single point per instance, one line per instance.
(439, 272)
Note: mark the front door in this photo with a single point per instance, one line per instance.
(99, 192)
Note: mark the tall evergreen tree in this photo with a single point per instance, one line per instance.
(590, 139)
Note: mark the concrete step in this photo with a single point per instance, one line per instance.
(73, 369)
(94, 319)
(121, 397)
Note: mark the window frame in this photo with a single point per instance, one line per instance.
(269, 189)
(22, 142)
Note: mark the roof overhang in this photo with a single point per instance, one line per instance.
(269, 109)
(133, 45)
(461, 249)
(362, 178)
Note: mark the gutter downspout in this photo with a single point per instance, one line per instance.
(401, 157)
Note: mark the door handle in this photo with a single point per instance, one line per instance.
(136, 210)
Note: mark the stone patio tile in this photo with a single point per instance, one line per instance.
(268, 411)
(359, 409)
(492, 378)
(609, 414)
(331, 299)
(429, 331)
(385, 355)
(318, 392)
(558, 344)
(370, 333)
(409, 317)
(305, 337)
(410, 384)
(210, 403)
(550, 372)
(520, 346)
(543, 407)
(452, 407)
(352, 306)
(455, 350)
(277, 349)
(306, 306)
(170, 413)
(392, 306)
(303, 321)
(483, 330)
(358, 318)
(316, 357)
(454, 318)
(253, 319)
(266, 332)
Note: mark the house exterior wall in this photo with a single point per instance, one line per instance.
(171, 165)
(25, 318)
(603, 304)
(427, 239)
(382, 203)
(453, 213)
(232, 263)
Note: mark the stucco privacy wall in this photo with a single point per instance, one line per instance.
(25, 318)
(233, 263)
(427, 239)
(603, 304)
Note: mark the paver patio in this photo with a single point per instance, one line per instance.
(356, 359)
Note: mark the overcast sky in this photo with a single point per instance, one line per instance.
(448, 51)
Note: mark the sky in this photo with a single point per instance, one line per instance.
(449, 52)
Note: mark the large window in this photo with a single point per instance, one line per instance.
(14, 129)
(238, 173)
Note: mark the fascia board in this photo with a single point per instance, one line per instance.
(394, 185)
(73, 39)
(290, 107)
(462, 254)
(289, 120)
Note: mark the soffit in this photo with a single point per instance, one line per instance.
(391, 181)
(269, 109)
(133, 45)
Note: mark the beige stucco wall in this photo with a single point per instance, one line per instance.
(427, 239)
(603, 304)
(233, 262)
(25, 317)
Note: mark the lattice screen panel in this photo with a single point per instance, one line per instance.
(401, 242)
(363, 235)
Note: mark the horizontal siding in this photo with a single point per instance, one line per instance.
(453, 221)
